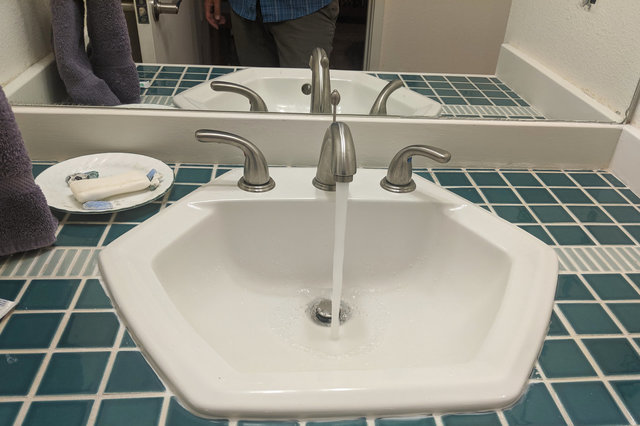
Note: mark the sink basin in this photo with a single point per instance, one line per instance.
(449, 303)
(280, 88)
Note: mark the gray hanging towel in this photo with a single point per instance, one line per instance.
(26, 223)
(74, 67)
(110, 52)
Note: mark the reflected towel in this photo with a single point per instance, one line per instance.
(74, 67)
(110, 52)
(26, 223)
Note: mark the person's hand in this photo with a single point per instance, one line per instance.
(212, 12)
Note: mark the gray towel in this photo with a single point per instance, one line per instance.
(26, 223)
(83, 86)
(111, 49)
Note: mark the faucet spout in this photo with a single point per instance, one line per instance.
(337, 161)
(320, 82)
(256, 102)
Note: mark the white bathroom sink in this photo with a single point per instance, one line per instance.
(450, 304)
(280, 88)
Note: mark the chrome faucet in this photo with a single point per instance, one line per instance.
(256, 172)
(380, 104)
(398, 177)
(256, 102)
(320, 82)
(337, 161)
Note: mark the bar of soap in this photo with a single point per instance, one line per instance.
(105, 187)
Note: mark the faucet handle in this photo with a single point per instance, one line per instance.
(398, 177)
(255, 101)
(256, 172)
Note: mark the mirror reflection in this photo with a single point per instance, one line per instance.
(495, 59)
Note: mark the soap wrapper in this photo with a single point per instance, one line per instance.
(6, 306)
(105, 187)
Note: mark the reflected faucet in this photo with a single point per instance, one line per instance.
(337, 161)
(398, 177)
(320, 82)
(256, 172)
(256, 102)
(380, 104)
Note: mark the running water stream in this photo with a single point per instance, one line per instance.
(342, 192)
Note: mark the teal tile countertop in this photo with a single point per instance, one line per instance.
(461, 96)
(66, 359)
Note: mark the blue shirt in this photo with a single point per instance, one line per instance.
(277, 10)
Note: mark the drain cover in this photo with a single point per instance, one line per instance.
(320, 312)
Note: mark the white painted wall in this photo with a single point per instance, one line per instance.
(453, 36)
(26, 35)
(596, 50)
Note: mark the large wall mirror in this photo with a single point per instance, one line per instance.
(570, 60)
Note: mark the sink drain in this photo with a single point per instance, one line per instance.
(320, 312)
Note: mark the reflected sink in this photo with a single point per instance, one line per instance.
(280, 88)
(450, 304)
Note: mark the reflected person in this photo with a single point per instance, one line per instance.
(278, 33)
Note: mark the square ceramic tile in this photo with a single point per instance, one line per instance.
(609, 235)
(29, 331)
(570, 287)
(624, 214)
(552, 214)
(536, 407)
(514, 214)
(193, 175)
(178, 191)
(556, 328)
(589, 214)
(611, 286)
(606, 196)
(500, 196)
(563, 358)
(589, 179)
(48, 294)
(628, 314)
(589, 403)
(538, 232)
(629, 392)
(17, 372)
(521, 179)
(571, 196)
(127, 341)
(73, 373)
(484, 419)
(629, 195)
(90, 330)
(410, 421)
(588, 318)
(634, 230)
(178, 416)
(116, 230)
(536, 196)
(488, 179)
(131, 373)
(614, 356)
(452, 179)
(93, 296)
(58, 413)
(75, 234)
(354, 422)
(9, 289)
(9, 412)
(569, 235)
(470, 194)
(139, 214)
(133, 411)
